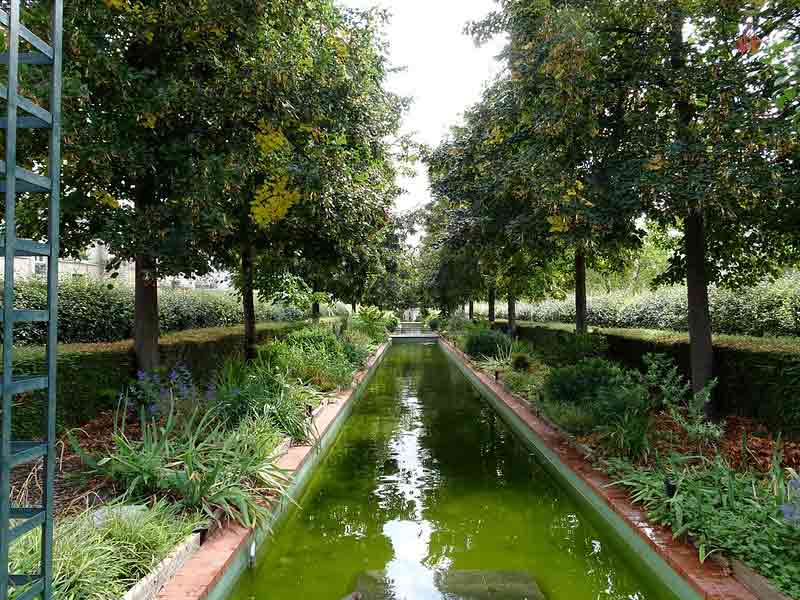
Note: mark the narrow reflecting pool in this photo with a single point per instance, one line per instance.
(428, 495)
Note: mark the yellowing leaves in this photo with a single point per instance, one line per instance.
(148, 120)
(272, 201)
(574, 192)
(558, 224)
(106, 199)
(269, 139)
(656, 164)
(116, 4)
(496, 137)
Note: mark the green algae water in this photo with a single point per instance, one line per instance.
(425, 482)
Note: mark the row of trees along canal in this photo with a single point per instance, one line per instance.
(254, 136)
(611, 114)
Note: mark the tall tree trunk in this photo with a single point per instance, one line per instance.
(492, 300)
(315, 311)
(353, 306)
(580, 291)
(512, 315)
(701, 346)
(471, 310)
(248, 301)
(146, 325)
(700, 342)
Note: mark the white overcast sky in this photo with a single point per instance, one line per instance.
(444, 71)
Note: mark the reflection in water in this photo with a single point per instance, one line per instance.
(426, 487)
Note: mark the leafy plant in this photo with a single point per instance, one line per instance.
(488, 343)
(197, 463)
(372, 321)
(686, 409)
(583, 382)
(738, 513)
(520, 361)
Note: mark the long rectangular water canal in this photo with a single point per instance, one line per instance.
(428, 495)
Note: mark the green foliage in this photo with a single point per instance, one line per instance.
(373, 322)
(520, 361)
(487, 342)
(283, 384)
(720, 510)
(685, 407)
(90, 311)
(607, 399)
(456, 322)
(102, 563)
(195, 462)
(586, 382)
(260, 389)
(768, 309)
(91, 376)
(758, 378)
(435, 323)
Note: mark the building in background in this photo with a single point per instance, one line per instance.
(94, 262)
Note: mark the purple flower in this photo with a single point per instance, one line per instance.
(790, 512)
(141, 375)
(173, 375)
(794, 485)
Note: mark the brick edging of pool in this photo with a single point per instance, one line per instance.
(707, 580)
(215, 567)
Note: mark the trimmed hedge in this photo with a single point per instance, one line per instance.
(769, 309)
(90, 376)
(758, 377)
(90, 312)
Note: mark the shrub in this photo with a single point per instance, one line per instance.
(487, 342)
(686, 408)
(91, 376)
(520, 361)
(357, 347)
(757, 378)
(584, 382)
(90, 311)
(392, 322)
(770, 308)
(609, 399)
(435, 324)
(372, 321)
(457, 322)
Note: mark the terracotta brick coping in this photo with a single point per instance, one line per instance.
(225, 553)
(710, 579)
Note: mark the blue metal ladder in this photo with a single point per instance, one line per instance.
(23, 113)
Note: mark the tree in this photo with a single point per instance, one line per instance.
(672, 108)
(140, 162)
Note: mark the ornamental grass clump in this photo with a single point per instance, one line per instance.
(101, 562)
(195, 462)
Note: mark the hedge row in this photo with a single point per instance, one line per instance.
(758, 379)
(91, 376)
(90, 311)
(769, 309)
